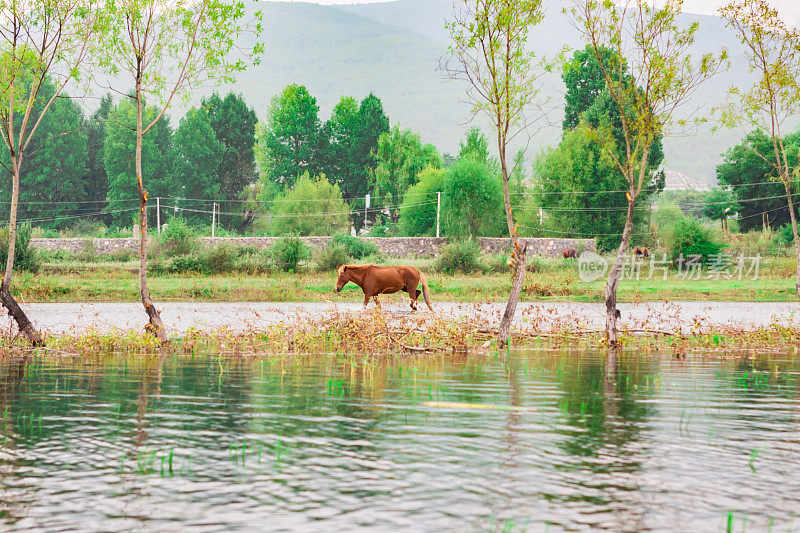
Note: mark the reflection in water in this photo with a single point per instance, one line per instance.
(618, 442)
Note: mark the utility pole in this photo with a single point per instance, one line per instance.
(438, 210)
(158, 214)
(366, 206)
(213, 218)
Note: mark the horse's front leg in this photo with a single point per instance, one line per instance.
(366, 300)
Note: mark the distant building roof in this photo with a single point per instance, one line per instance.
(677, 181)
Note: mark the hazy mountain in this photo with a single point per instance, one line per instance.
(393, 50)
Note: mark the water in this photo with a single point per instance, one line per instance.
(546, 440)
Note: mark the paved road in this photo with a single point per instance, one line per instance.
(179, 316)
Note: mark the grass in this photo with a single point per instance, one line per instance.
(73, 281)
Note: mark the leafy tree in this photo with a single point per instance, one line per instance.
(96, 180)
(578, 191)
(772, 51)
(42, 40)
(52, 184)
(119, 149)
(289, 137)
(401, 157)
(198, 155)
(490, 44)
(472, 200)
(650, 74)
(348, 145)
(234, 124)
(720, 205)
(168, 48)
(418, 212)
(310, 207)
(748, 170)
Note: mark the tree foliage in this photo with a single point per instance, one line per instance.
(401, 156)
(472, 200)
(313, 206)
(234, 124)
(418, 211)
(289, 136)
(748, 169)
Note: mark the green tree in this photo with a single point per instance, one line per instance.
(490, 44)
(96, 180)
(198, 155)
(747, 169)
(347, 148)
(52, 180)
(310, 207)
(418, 212)
(119, 160)
(578, 189)
(472, 201)
(234, 124)
(772, 51)
(42, 40)
(288, 138)
(168, 48)
(652, 49)
(401, 156)
(721, 204)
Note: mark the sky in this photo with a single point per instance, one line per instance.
(789, 9)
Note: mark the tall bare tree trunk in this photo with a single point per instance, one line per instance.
(25, 326)
(156, 326)
(794, 233)
(612, 314)
(517, 254)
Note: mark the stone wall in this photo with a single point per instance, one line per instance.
(392, 246)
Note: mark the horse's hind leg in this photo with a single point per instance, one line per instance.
(377, 302)
(413, 294)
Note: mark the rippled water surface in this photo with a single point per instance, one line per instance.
(556, 441)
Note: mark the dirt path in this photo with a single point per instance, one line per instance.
(178, 317)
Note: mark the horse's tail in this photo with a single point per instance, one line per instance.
(425, 294)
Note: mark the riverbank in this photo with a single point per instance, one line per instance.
(117, 282)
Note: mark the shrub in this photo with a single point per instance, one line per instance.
(288, 252)
(784, 234)
(496, 264)
(88, 254)
(219, 259)
(187, 263)
(26, 257)
(331, 257)
(689, 237)
(355, 247)
(257, 262)
(178, 238)
(84, 227)
(459, 257)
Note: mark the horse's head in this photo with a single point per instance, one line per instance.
(342, 278)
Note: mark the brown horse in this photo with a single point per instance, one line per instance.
(375, 280)
(641, 252)
(569, 253)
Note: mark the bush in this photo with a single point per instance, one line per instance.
(219, 259)
(88, 254)
(355, 247)
(496, 264)
(689, 237)
(26, 257)
(187, 263)
(331, 257)
(178, 238)
(258, 262)
(288, 252)
(84, 227)
(459, 257)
